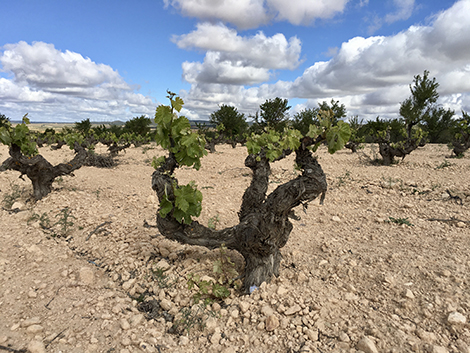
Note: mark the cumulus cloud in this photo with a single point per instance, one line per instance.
(274, 52)
(52, 80)
(233, 59)
(253, 13)
(372, 75)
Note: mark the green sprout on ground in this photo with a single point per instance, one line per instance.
(400, 221)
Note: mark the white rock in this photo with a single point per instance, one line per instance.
(312, 335)
(137, 319)
(272, 323)
(366, 345)
(166, 304)
(244, 306)
(128, 284)
(408, 294)
(86, 275)
(184, 340)
(163, 264)
(293, 310)
(235, 313)
(336, 219)
(211, 324)
(266, 310)
(17, 205)
(125, 324)
(282, 291)
(31, 321)
(35, 328)
(439, 349)
(36, 347)
(456, 318)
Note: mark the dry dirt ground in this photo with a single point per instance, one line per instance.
(352, 277)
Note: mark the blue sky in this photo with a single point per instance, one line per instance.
(114, 60)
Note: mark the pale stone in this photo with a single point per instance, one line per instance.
(184, 340)
(215, 338)
(367, 346)
(137, 319)
(35, 328)
(32, 294)
(31, 321)
(266, 310)
(272, 323)
(36, 347)
(408, 294)
(125, 324)
(17, 205)
(86, 275)
(235, 313)
(343, 337)
(281, 291)
(35, 249)
(336, 219)
(128, 284)
(293, 310)
(312, 335)
(211, 324)
(439, 349)
(163, 264)
(166, 304)
(456, 318)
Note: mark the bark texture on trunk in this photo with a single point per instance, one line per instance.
(42, 173)
(264, 226)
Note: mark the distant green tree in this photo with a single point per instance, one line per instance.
(138, 125)
(357, 137)
(83, 127)
(303, 119)
(273, 114)
(339, 110)
(439, 124)
(234, 123)
(4, 120)
(461, 140)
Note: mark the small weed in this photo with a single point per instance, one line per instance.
(213, 222)
(15, 194)
(44, 221)
(59, 180)
(194, 317)
(162, 279)
(343, 178)
(65, 223)
(400, 221)
(435, 186)
(207, 187)
(444, 164)
(97, 192)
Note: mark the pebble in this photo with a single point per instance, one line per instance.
(266, 310)
(184, 340)
(336, 219)
(137, 319)
(32, 294)
(439, 349)
(312, 335)
(166, 304)
(17, 205)
(36, 347)
(366, 345)
(408, 294)
(34, 328)
(31, 321)
(456, 318)
(86, 275)
(125, 324)
(128, 284)
(272, 323)
(163, 264)
(244, 306)
(293, 310)
(235, 313)
(282, 291)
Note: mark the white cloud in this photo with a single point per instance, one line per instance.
(404, 10)
(372, 75)
(252, 13)
(259, 51)
(46, 80)
(301, 12)
(233, 59)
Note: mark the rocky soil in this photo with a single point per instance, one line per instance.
(382, 266)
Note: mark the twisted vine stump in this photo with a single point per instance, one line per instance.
(42, 173)
(264, 226)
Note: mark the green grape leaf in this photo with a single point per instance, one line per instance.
(165, 207)
(337, 136)
(177, 104)
(220, 291)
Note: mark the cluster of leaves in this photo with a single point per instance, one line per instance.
(187, 203)
(400, 221)
(19, 136)
(61, 228)
(174, 134)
